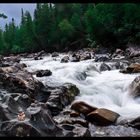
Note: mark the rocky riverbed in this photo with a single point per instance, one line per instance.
(74, 94)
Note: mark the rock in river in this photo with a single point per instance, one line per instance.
(61, 97)
(102, 117)
(134, 88)
(82, 107)
(41, 73)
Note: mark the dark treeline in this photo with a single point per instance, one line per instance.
(63, 27)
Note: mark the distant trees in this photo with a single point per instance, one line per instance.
(58, 27)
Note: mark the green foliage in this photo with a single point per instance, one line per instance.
(67, 26)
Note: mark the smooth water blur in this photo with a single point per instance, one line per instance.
(106, 89)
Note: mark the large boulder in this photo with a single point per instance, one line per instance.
(102, 117)
(38, 122)
(82, 107)
(16, 80)
(133, 68)
(61, 97)
(134, 88)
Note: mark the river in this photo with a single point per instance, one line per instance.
(106, 89)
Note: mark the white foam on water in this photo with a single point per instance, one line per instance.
(108, 89)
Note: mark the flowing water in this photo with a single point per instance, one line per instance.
(107, 89)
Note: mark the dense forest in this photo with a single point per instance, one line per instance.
(63, 27)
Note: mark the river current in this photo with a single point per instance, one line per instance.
(106, 89)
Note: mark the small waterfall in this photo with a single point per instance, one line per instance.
(107, 89)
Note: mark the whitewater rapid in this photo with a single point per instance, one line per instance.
(107, 89)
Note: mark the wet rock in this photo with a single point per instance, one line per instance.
(82, 107)
(41, 73)
(21, 66)
(118, 54)
(9, 108)
(41, 119)
(75, 58)
(38, 122)
(55, 54)
(76, 130)
(13, 59)
(135, 123)
(104, 67)
(66, 119)
(24, 100)
(113, 131)
(61, 97)
(65, 59)
(80, 75)
(15, 80)
(11, 69)
(37, 58)
(91, 68)
(102, 58)
(102, 117)
(74, 114)
(134, 88)
(133, 68)
(19, 129)
(86, 56)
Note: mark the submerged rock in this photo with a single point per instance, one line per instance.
(102, 117)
